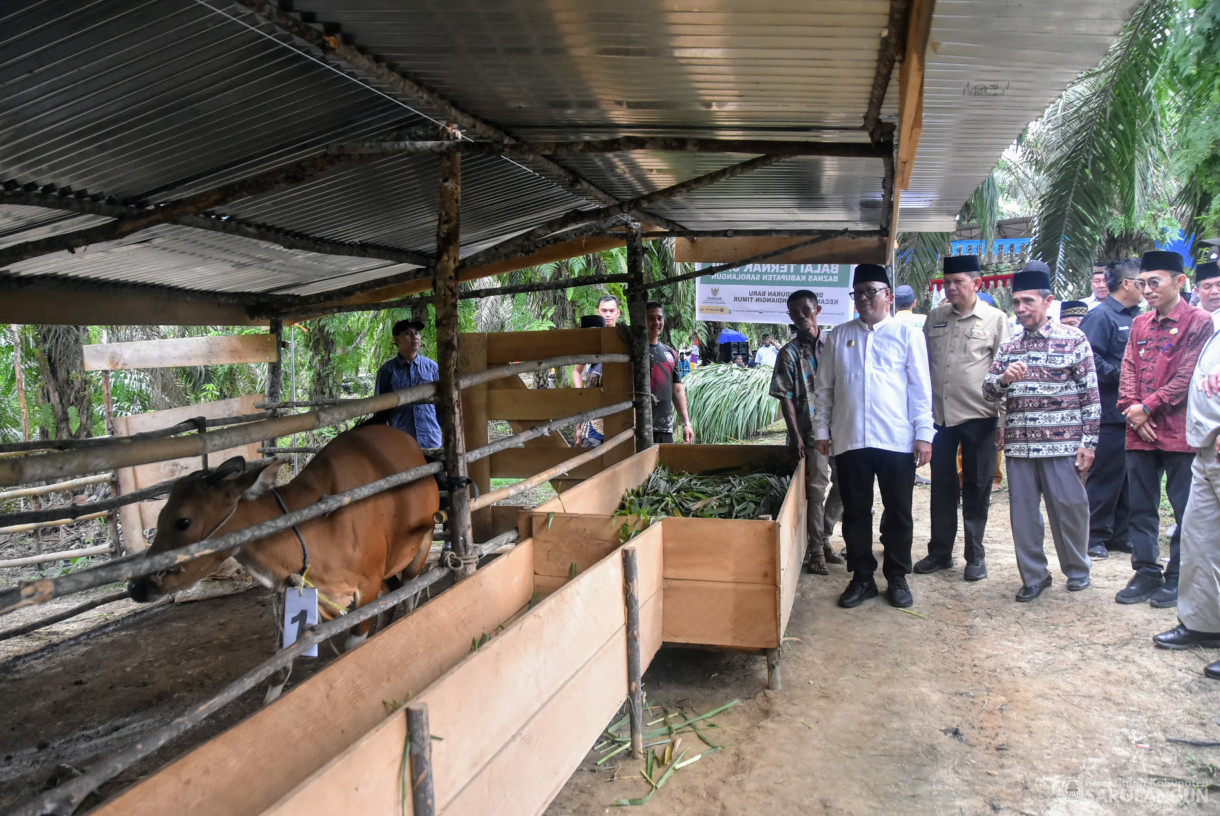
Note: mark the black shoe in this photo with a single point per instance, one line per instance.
(1212, 670)
(1027, 593)
(1165, 597)
(976, 571)
(1139, 589)
(1077, 584)
(899, 593)
(1179, 637)
(1122, 548)
(857, 592)
(930, 564)
(1098, 552)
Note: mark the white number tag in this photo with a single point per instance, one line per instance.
(300, 611)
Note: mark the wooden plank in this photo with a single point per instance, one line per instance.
(505, 517)
(650, 549)
(602, 496)
(617, 386)
(472, 354)
(481, 703)
(181, 351)
(711, 613)
(792, 539)
(843, 249)
(155, 420)
(249, 767)
(55, 306)
(532, 767)
(734, 550)
(545, 585)
(563, 540)
(742, 458)
(521, 463)
(543, 404)
(513, 347)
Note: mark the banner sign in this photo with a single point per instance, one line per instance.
(758, 293)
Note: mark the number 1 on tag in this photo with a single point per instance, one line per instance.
(300, 611)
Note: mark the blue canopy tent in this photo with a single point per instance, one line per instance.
(731, 336)
(732, 343)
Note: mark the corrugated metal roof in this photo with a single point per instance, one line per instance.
(147, 101)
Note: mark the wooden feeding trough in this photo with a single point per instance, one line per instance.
(510, 718)
(729, 583)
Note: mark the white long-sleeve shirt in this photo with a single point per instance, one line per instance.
(873, 389)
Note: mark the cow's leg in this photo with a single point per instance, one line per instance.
(279, 678)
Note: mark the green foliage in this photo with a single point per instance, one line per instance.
(666, 493)
(728, 403)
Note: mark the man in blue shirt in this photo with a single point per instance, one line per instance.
(407, 369)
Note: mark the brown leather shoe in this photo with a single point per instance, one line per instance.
(831, 556)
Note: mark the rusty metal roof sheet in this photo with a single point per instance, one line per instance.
(148, 101)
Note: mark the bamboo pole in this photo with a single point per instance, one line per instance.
(185, 426)
(64, 555)
(635, 672)
(488, 499)
(133, 450)
(59, 521)
(112, 519)
(66, 798)
(538, 431)
(275, 374)
(419, 739)
(40, 490)
(20, 383)
(34, 626)
(637, 302)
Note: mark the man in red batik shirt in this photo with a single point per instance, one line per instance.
(1157, 366)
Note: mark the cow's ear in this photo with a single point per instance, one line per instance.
(228, 470)
(258, 482)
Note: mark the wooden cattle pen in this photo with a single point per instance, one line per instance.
(258, 164)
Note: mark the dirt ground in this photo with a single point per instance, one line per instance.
(969, 703)
(972, 704)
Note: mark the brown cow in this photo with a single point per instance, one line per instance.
(352, 551)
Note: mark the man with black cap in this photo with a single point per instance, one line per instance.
(407, 369)
(1207, 284)
(1199, 593)
(963, 334)
(1044, 376)
(1160, 359)
(873, 408)
(1072, 312)
(1108, 327)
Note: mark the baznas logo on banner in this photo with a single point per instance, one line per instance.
(758, 293)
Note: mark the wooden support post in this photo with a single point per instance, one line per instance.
(637, 311)
(275, 373)
(449, 397)
(635, 674)
(19, 376)
(419, 743)
(112, 520)
(773, 676)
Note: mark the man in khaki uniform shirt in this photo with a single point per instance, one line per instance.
(964, 334)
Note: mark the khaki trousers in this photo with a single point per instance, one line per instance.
(1199, 583)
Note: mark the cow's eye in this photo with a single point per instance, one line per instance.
(182, 524)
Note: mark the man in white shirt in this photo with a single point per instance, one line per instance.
(873, 401)
(1207, 284)
(767, 352)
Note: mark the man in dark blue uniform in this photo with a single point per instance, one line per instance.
(1108, 326)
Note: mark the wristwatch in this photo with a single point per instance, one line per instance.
(686, 425)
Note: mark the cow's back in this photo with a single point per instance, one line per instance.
(391, 519)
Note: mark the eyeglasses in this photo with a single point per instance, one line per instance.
(870, 293)
(1151, 283)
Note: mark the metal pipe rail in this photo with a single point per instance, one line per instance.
(126, 453)
(66, 798)
(124, 569)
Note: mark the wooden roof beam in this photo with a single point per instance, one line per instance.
(910, 104)
(621, 144)
(892, 48)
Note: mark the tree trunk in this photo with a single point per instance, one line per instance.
(327, 378)
(64, 384)
(20, 382)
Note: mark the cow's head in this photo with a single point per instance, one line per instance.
(200, 506)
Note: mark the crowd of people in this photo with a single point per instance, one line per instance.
(1092, 410)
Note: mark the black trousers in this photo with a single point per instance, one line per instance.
(976, 437)
(1109, 501)
(1144, 471)
(894, 473)
(661, 438)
